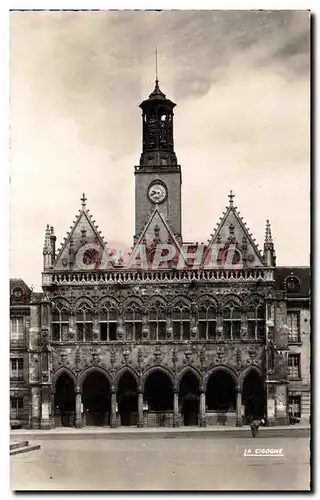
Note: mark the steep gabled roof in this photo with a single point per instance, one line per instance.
(83, 230)
(157, 230)
(231, 225)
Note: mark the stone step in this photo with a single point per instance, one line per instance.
(18, 444)
(24, 449)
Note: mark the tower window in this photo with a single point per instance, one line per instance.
(163, 118)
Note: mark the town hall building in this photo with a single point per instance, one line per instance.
(176, 333)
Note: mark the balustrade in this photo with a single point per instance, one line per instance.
(173, 275)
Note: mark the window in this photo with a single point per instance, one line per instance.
(133, 323)
(231, 322)
(293, 320)
(181, 323)
(16, 368)
(294, 365)
(17, 330)
(84, 324)
(295, 406)
(157, 324)
(60, 324)
(108, 324)
(207, 322)
(256, 321)
(16, 407)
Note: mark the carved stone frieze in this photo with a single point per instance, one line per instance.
(126, 355)
(187, 356)
(220, 355)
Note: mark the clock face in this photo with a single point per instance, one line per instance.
(157, 193)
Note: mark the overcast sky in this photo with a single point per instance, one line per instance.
(241, 83)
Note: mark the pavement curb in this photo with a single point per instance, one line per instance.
(114, 434)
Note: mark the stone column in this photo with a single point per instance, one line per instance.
(175, 409)
(52, 412)
(35, 407)
(239, 406)
(45, 408)
(140, 409)
(114, 416)
(271, 404)
(281, 412)
(202, 409)
(78, 420)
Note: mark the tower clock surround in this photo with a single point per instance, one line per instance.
(157, 192)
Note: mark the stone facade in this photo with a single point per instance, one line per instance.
(117, 345)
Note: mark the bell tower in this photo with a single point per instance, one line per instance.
(158, 176)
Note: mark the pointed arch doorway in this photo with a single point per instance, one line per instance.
(64, 401)
(96, 396)
(127, 396)
(253, 397)
(189, 399)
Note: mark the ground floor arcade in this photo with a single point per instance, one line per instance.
(155, 400)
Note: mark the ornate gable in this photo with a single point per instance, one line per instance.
(232, 230)
(85, 235)
(157, 231)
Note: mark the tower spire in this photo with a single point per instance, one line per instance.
(156, 53)
(268, 248)
(157, 127)
(268, 235)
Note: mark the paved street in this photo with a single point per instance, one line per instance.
(162, 464)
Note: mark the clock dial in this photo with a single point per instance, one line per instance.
(157, 193)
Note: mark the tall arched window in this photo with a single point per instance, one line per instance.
(84, 323)
(181, 322)
(108, 324)
(256, 321)
(207, 322)
(231, 321)
(133, 322)
(60, 323)
(157, 323)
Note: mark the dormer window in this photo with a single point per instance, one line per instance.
(292, 283)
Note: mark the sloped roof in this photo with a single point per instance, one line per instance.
(232, 217)
(82, 223)
(147, 235)
(18, 282)
(302, 273)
